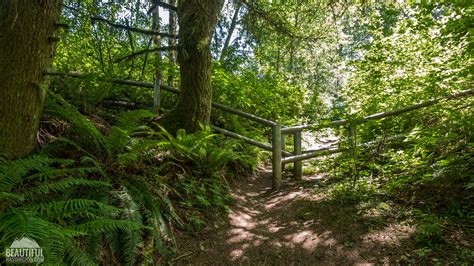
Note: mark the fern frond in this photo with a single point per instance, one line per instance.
(93, 245)
(65, 184)
(104, 225)
(67, 208)
(118, 138)
(61, 141)
(48, 173)
(155, 208)
(14, 197)
(129, 246)
(76, 256)
(83, 131)
(16, 222)
(131, 120)
(94, 162)
(12, 172)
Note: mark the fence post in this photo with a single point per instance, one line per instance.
(276, 156)
(353, 140)
(297, 150)
(283, 145)
(156, 96)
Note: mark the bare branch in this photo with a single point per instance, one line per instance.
(145, 51)
(120, 26)
(124, 27)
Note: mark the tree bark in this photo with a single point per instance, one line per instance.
(26, 45)
(197, 20)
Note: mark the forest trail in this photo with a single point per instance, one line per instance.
(295, 226)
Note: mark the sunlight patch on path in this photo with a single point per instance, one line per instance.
(273, 225)
(297, 226)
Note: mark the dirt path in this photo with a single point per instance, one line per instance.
(295, 227)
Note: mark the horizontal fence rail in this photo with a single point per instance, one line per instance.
(427, 103)
(314, 153)
(280, 157)
(254, 118)
(222, 107)
(263, 146)
(334, 148)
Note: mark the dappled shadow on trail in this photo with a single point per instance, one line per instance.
(296, 226)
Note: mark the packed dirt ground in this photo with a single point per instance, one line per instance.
(298, 225)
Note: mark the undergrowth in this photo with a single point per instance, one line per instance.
(428, 171)
(115, 198)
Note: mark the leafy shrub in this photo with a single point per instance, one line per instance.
(347, 192)
(262, 95)
(432, 165)
(430, 231)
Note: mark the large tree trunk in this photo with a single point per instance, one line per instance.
(197, 20)
(26, 31)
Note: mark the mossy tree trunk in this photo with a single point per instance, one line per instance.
(197, 20)
(26, 31)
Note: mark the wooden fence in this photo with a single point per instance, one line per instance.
(277, 144)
